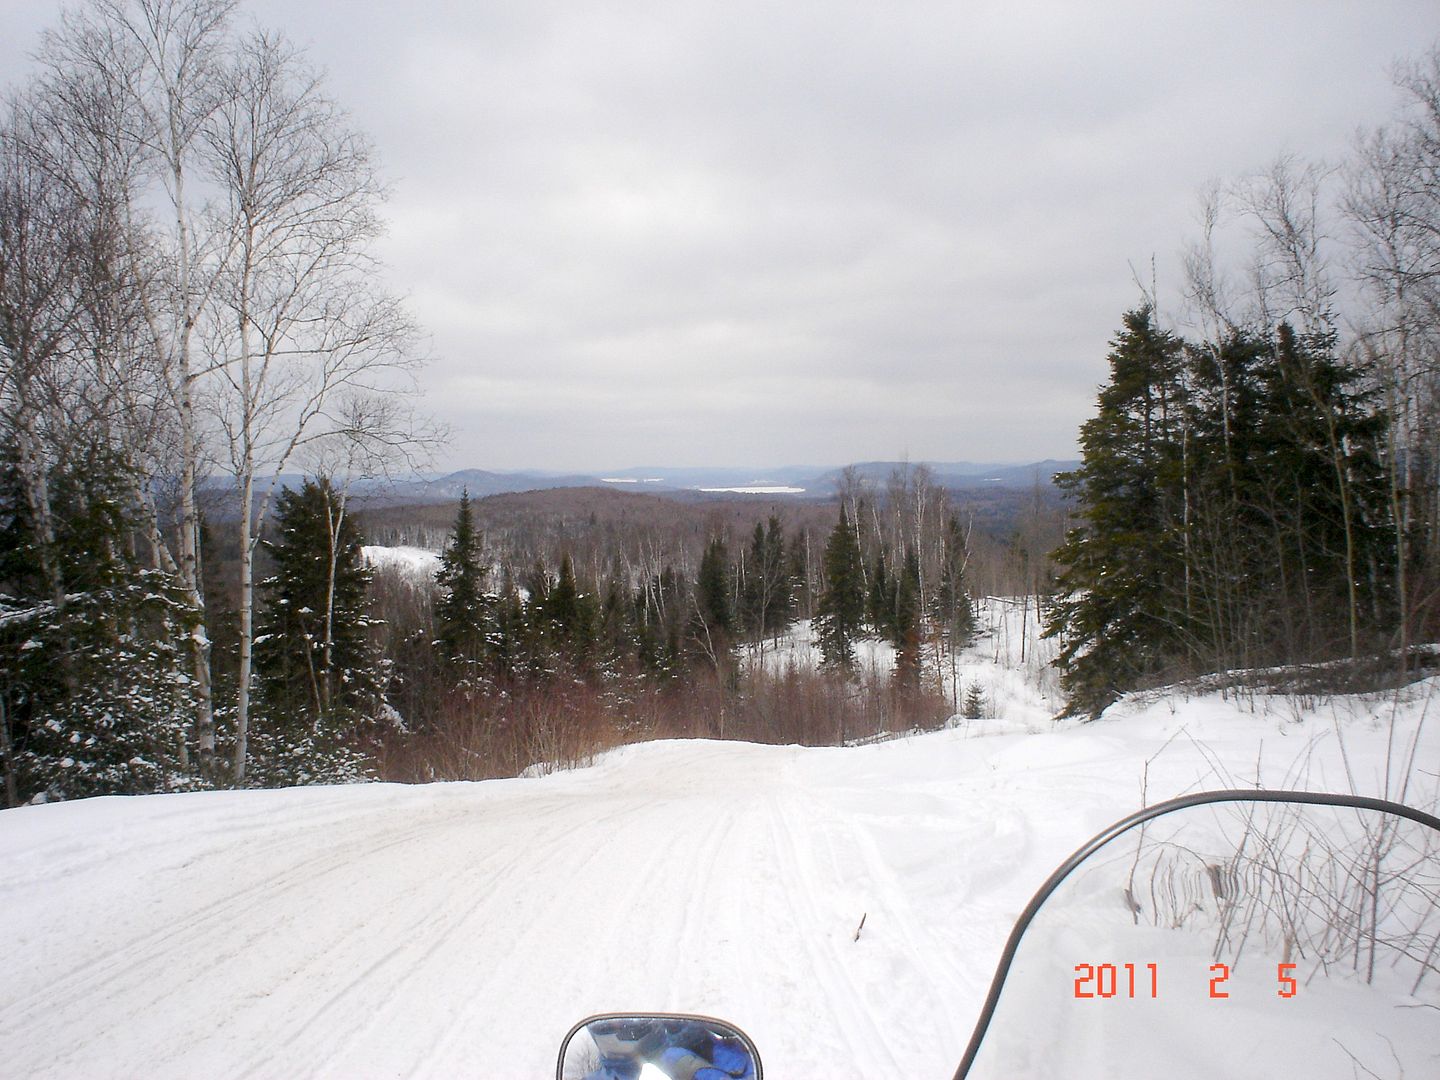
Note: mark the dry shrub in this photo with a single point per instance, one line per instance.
(482, 733)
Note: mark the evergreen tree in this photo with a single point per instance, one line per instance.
(714, 623)
(536, 645)
(1226, 540)
(507, 643)
(95, 692)
(881, 599)
(1288, 544)
(616, 641)
(974, 705)
(906, 623)
(767, 594)
(841, 616)
(951, 605)
(462, 614)
(1232, 509)
(1114, 624)
(1324, 432)
(321, 679)
(567, 616)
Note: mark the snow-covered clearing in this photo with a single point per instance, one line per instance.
(1008, 662)
(416, 562)
(459, 929)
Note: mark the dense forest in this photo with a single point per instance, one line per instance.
(1260, 485)
(560, 637)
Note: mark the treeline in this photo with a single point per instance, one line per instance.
(1009, 532)
(188, 294)
(1263, 488)
(497, 666)
(1235, 508)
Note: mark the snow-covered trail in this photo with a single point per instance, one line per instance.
(459, 929)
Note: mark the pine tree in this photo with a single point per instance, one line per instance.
(974, 705)
(1115, 625)
(841, 616)
(616, 641)
(767, 598)
(713, 625)
(1232, 508)
(95, 691)
(1289, 549)
(507, 643)
(1326, 432)
(567, 616)
(880, 602)
(906, 623)
(321, 678)
(951, 605)
(462, 614)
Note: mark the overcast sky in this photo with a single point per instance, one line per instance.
(744, 233)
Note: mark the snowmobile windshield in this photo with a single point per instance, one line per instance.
(1238, 934)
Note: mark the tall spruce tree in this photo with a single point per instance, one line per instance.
(951, 606)
(1288, 540)
(462, 615)
(508, 645)
(567, 619)
(767, 597)
(841, 617)
(906, 622)
(713, 625)
(321, 678)
(880, 601)
(1114, 624)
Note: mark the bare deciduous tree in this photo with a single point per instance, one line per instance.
(158, 60)
(1393, 206)
(300, 328)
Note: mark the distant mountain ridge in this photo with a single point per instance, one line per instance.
(792, 481)
(801, 481)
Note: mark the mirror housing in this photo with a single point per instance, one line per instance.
(657, 1046)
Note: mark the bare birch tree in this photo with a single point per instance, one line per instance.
(1393, 206)
(160, 58)
(41, 302)
(299, 326)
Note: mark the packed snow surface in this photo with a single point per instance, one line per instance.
(460, 929)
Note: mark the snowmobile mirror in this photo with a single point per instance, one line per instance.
(1228, 934)
(657, 1046)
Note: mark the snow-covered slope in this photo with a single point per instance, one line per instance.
(419, 563)
(459, 929)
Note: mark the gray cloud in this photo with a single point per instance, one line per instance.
(746, 233)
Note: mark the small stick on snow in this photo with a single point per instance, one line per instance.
(861, 926)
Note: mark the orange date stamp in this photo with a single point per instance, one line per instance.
(1132, 981)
